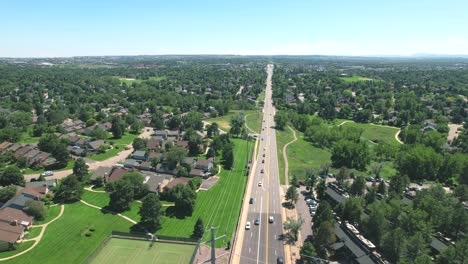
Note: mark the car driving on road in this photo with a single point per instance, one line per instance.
(247, 225)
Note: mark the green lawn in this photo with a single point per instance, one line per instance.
(254, 121)
(19, 248)
(376, 133)
(224, 122)
(355, 78)
(302, 155)
(33, 232)
(26, 137)
(126, 251)
(282, 138)
(118, 146)
(220, 205)
(65, 240)
(130, 81)
(52, 212)
(69, 166)
(102, 200)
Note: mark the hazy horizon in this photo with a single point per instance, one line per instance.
(53, 28)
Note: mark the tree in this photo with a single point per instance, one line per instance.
(121, 197)
(325, 238)
(376, 168)
(416, 247)
(99, 133)
(7, 192)
(237, 123)
(281, 120)
(139, 144)
(352, 209)
(198, 229)
(294, 182)
(36, 209)
(69, 189)
(22, 162)
(311, 179)
(376, 224)
(12, 175)
(358, 186)
(293, 226)
(80, 169)
(228, 156)
(150, 212)
(419, 162)
(346, 153)
(324, 214)
(136, 126)
(398, 184)
(308, 253)
(136, 180)
(118, 127)
(212, 130)
(292, 195)
(393, 244)
(185, 202)
(382, 188)
(321, 188)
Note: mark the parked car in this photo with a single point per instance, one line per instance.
(47, 173)
(247, 225)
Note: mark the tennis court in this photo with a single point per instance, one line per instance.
(120, 250)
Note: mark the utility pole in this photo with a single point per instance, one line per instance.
(213, 247)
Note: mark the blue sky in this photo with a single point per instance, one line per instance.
(51, 28)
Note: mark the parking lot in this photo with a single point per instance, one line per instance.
(303, 210)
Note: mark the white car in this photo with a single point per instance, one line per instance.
(260, 184)
(48, 173)
(271, 219)
(247, 226)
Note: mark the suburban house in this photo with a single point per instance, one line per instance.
(204, 165)
(32, 154)
(145, 165)
(13, 223)
(182, 144)
(130, 163)
(157, 181)
(197, 173)
(94, 145)
(116, 174)
(101, 172)
(161, 133)
(154, 144)
(139, 155)
(173, 134)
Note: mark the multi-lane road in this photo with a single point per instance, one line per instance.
(261, 243)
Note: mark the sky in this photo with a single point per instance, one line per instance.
(63, 28)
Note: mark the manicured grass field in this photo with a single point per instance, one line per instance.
(102, 200)
(129, 81)
(355, 78)
(376, 133)
(19, 248)
(69, 166)
(282, 138)
(118, 146)
(64, 240)
(220, 205)
(119, 250)
(26, 137)
(52, 212)
(254, 121)
(302, 155)
(224, 122)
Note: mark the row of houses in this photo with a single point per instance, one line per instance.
(14, 221)
(79, 127)
(31, 152)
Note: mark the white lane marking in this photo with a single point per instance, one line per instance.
(258, 242)
(250, 250)
(251, 234)
(276, 253)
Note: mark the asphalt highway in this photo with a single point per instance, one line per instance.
(262, 244)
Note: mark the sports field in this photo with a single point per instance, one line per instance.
(120, 250)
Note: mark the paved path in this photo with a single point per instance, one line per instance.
(453, 132)
(247, 126)
(90, 189)
(39, 237)
(285, 156)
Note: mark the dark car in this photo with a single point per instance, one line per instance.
(280, 260)
(251, 200)
(257, 221)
